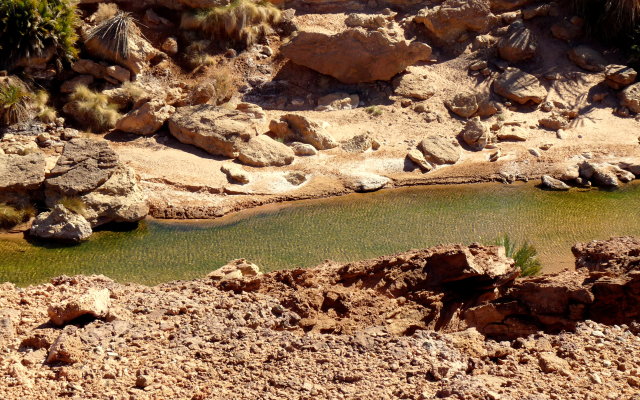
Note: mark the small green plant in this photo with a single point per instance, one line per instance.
(114, 34)
(74, 204)
(93, 110)
(374, 111)
(525, 256)
(33, 28)
(11, 216)
(14, 104)
(241, 22)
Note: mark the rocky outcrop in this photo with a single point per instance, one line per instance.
(95, 303)
(616, 255)
(140, 52)
(519, 44)
(619, 76)
(604, 174)
(519, 86)
(263, 151)
(21, 173)
(62, 225)
(355, 55)
(449, 20)
(146, 119)
(293, 127)
(235, 173)
(468, 104)
(214, 129)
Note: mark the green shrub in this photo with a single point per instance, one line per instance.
(11, 216)
(93, 110)
(14, 104)
(525, 256)
(31, 28)
(240, 23)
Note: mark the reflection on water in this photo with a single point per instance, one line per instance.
(347, 228)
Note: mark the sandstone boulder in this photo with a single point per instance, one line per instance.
(463, 104)
(236, 269)
(235, 173)
(293, 127)
(263, 151)
(519, 86)
(417, 156)
(449, 20)
(146, 119)
(140, 52)
(440, 150)
(94, 303)
(475, 134)
(519, 44)
(630, 97)
(62, 225)
(619, 76)
(551, 183)
(214, 129)
(604, 174)
(414, 86)
(355, 55)
(587, 58)
(20, 173)
(84, 165)
(358, 144)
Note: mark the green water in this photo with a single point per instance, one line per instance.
(347, 228)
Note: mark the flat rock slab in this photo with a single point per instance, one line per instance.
(21, 172)
(519, 86)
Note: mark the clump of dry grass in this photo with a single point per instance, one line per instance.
(104, 12)
(224, 84)
(74, 204)
(93, 110)
(196, 54)
(15, 104)
(44, 112)
(11, 216)
(240, 23)
(115, 33)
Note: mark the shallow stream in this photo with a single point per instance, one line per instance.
(353, 227)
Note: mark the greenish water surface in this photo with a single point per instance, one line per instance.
(352, 227)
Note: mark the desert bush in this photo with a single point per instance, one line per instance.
(31, 28)
(104, 12)
(93, 110)
(114, 34)
(240, 23)
(525, 255)
(14, 104)
(74, 204)
(11, 216)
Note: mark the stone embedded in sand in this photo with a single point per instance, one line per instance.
(449, 20)
(440, 150)
(519, 86)
(475, 134)
(518, 44)
(94, 303)
(338, 101)
(214, 129)
(619, 76)
(355, 55)
(554, 122)
(235, 173)
(414, 85)
(292, 127)
(587, 58)
(513, 134)
(19, 173)
(146, 119)
(61, 224)
(551, 183)
(549, 363)
(366, 182)
(418, 158)
(303, 149)
(263, 151)
(630, 97)
(67, 348)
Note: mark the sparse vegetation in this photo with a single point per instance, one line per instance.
(74, 204)
(374, 111)
(93, 110)
(11, 216)
(525, 255)
(14, 104)
(35, 28)
(240, 23)
(104, 12)
(43, 112)
(114, 34)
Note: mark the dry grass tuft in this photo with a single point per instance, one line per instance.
(93, 110)
(224, 84)
(74, 204)
(240, 23)
(104, 12)
(44, 112)
(15, 103)
(11, 216)
(114, 34)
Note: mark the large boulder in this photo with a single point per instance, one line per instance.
(95, 303)
(355, 55)
(587, 58)
(84, 165)
(146, 119)
(214, 129)
(61, 224)
(619, 76)
(140, 52)
(293, 127)
(452, 18)
(263, 151)
(519, 86)
(630, 97)
(604, 174)
(440, 150)
(21, 173)
(519, 44)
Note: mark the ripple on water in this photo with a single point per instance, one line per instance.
(348, 228)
